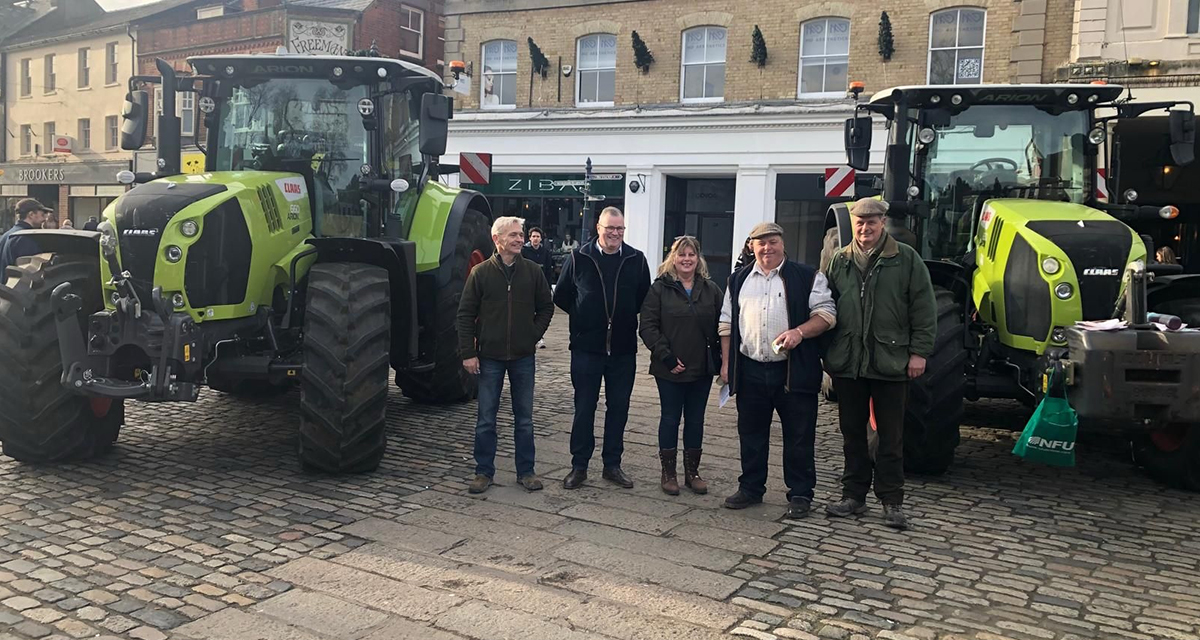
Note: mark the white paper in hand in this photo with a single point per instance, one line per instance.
(723, 397)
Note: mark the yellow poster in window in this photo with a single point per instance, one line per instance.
(193, 163)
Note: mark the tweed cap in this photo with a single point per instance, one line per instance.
(764, 229)
(868, 207)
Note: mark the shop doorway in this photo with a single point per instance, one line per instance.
(703, 207)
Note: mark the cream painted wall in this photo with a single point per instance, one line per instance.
(67, 103)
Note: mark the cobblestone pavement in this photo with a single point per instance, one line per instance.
(200, 525)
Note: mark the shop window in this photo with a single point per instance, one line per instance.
(824, 57)
(596, 78)
(703, 72)
(1193, 18)
(956, 46)
(499, 85)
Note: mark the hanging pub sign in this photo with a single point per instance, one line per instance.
(328, 38)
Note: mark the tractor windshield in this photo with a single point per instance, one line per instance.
(1017, 151)
(307, 126)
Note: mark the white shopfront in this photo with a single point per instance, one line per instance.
(713, 173)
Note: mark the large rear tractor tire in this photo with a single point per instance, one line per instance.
(344, 388)
(1171, 455)
(40, 420)
(449, 382)
(935, 400)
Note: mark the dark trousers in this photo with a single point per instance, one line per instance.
(688, 399)
(587, 372)
(761, 394)
(491, 382)
(854, 411)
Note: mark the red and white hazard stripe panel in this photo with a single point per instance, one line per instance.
(475, 168)
(1102, 185)
(839, 182)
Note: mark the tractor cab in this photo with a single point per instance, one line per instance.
(363, 132)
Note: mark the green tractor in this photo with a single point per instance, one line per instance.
(996, 186)
(317, 247)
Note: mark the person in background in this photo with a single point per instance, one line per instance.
(773, 311)
(679, 326)
(745, 257)
(67, 224)
(570, 244)
(50, 223)
(539, 254)
(92, 224)
(31, 214)
(505, 309)
(887, 323)
(602, 286)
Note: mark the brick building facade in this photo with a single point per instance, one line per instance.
(712, 142)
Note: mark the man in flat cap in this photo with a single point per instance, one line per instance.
(773, 311)
(30, 215)
(887, 323)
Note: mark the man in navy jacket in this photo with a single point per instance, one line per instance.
(30, 215)
(602, 287)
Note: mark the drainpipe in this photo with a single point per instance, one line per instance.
(3, 108)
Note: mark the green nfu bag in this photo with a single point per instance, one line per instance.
(1049, 436)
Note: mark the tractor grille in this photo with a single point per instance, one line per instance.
(1096, 250)
(141, 216)
(1026, 294)
(270, 209)
(218, 263)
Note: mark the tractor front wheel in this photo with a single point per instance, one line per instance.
(935, 400)
(40, 420)
(449, 382)
(1171, 455)
(344, 389)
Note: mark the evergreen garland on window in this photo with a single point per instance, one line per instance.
(759, 53)
(887, 45)
(540, 64)
(642, 58)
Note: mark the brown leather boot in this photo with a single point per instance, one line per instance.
(670, 484)
(691, 471)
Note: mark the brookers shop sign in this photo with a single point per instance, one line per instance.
(68, 173)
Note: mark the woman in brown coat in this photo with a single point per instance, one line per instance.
(679, 326)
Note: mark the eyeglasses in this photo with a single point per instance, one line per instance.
(616, 229)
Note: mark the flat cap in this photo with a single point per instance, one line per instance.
(764, 229)
(28, 205)
(868, 207)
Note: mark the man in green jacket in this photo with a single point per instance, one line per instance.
(505, 309)
(887, 323)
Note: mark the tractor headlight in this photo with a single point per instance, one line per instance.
(1051, 266)
(189, 228)
(914, 191)
(177, 300)
(1063, 290)
(173, 254)
(1169, 212)
(1096, 136)
(1059, 335)
(108, 238)
(115, 298)
(1131, 195)
(926, 135)
(1072, 98)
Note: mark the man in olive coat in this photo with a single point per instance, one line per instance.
(887, 323)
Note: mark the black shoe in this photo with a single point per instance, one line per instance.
(617, 477)
(893, 516)
(741, 500)
(575, 479)
(846, 507)
(798, 508)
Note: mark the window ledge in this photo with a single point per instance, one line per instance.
(593, 105)
(412, 54)
(497, 107)
(112, 84)
(821, 95)
(703, 100)
(87, 88)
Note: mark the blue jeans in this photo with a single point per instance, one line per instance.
(689, 399)
(491, 381)
(587, 372)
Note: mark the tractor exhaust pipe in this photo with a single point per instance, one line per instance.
(167, 129)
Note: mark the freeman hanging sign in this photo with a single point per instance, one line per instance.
(328, 38)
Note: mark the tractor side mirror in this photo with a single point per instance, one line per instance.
(1183, 136)
(858, 142)
(436, 112)
(134, 113)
